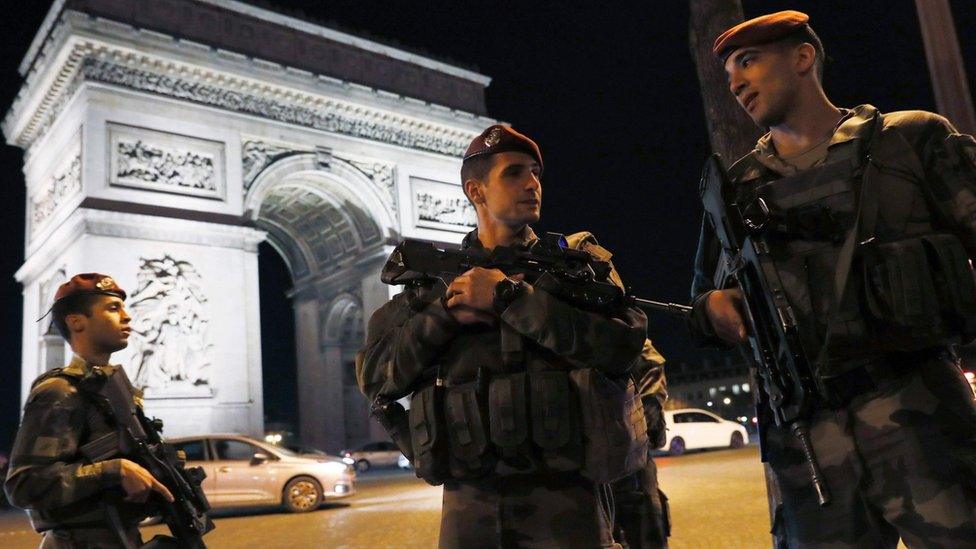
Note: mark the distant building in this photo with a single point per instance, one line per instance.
(722, 385)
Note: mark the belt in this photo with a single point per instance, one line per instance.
(877, 374)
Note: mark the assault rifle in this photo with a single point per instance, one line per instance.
(137, 438)
(572, 275)
(774, 339)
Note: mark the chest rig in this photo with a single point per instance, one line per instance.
(864, 267)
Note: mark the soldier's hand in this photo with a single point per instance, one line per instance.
(474, 289)
(724, 310)
(138, 483)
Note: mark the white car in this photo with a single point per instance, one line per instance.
(242, 471)
(692, 428)
(374, 454)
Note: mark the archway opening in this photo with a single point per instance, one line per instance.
(278, 360)
(316, 270)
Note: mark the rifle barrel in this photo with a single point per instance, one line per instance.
(670, 308)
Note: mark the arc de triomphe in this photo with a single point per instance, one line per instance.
(165, 140)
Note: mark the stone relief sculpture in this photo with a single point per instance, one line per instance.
(170, 328)
(145, 163)
(57, 191)
(442, 206)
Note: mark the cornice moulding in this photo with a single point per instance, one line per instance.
(77, 40)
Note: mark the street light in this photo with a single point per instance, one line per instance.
(726, 400)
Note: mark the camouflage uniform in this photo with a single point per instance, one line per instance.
(894, 428)
(510, 500)
(65, 497)
(642, 519)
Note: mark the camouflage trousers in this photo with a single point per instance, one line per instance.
(899, 461)
(642, 519)
(526, 510)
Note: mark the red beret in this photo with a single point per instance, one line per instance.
(498, 138)
(761, 30)
(89, 283)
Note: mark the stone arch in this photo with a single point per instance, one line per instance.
(332, 227)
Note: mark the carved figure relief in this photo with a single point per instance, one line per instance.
(382, 176)
(441, 206)
(63, 186)
(170, 329)
(257, 155)
(161, 161)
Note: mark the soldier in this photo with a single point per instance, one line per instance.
(642, 516)
(74, 503)
(499, 370)
(870, 220)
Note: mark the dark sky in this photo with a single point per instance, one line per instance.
(608, 90)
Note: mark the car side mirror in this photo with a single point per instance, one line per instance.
(259, 458)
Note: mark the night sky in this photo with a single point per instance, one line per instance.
(609, 92)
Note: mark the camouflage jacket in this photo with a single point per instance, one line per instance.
(940, 196)
(48, 476)
(413, 333)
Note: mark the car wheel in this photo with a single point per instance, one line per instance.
(737, 441)
(677, 446)
(302, 494)
(362, 466)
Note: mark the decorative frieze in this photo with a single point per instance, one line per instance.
(159, 161)
(438, 205)
(61, 187)
(321, 115)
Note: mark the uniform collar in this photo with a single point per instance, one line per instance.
(471, 241)
(856, 124)
(80, 367)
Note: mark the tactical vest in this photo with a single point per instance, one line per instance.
(539, 414)
(907, 286)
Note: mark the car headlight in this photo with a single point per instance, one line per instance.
(348, 461)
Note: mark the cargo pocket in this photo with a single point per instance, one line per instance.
(614, 428)
(508, 423)
(554, 427)
(466, 431)
(427, 436)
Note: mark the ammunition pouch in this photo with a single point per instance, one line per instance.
(428, 435)
(467, 432)
(614, 429)
(555, 420)
(918, 292)
(507, 413)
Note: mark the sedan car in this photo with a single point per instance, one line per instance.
(692, 428)
(242, 471)
(374, 454)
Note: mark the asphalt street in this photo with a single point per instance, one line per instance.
(717, 500)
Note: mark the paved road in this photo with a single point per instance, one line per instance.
(717, 500)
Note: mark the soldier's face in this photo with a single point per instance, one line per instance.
(764, 82)
(512, 192)
(107, 327)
